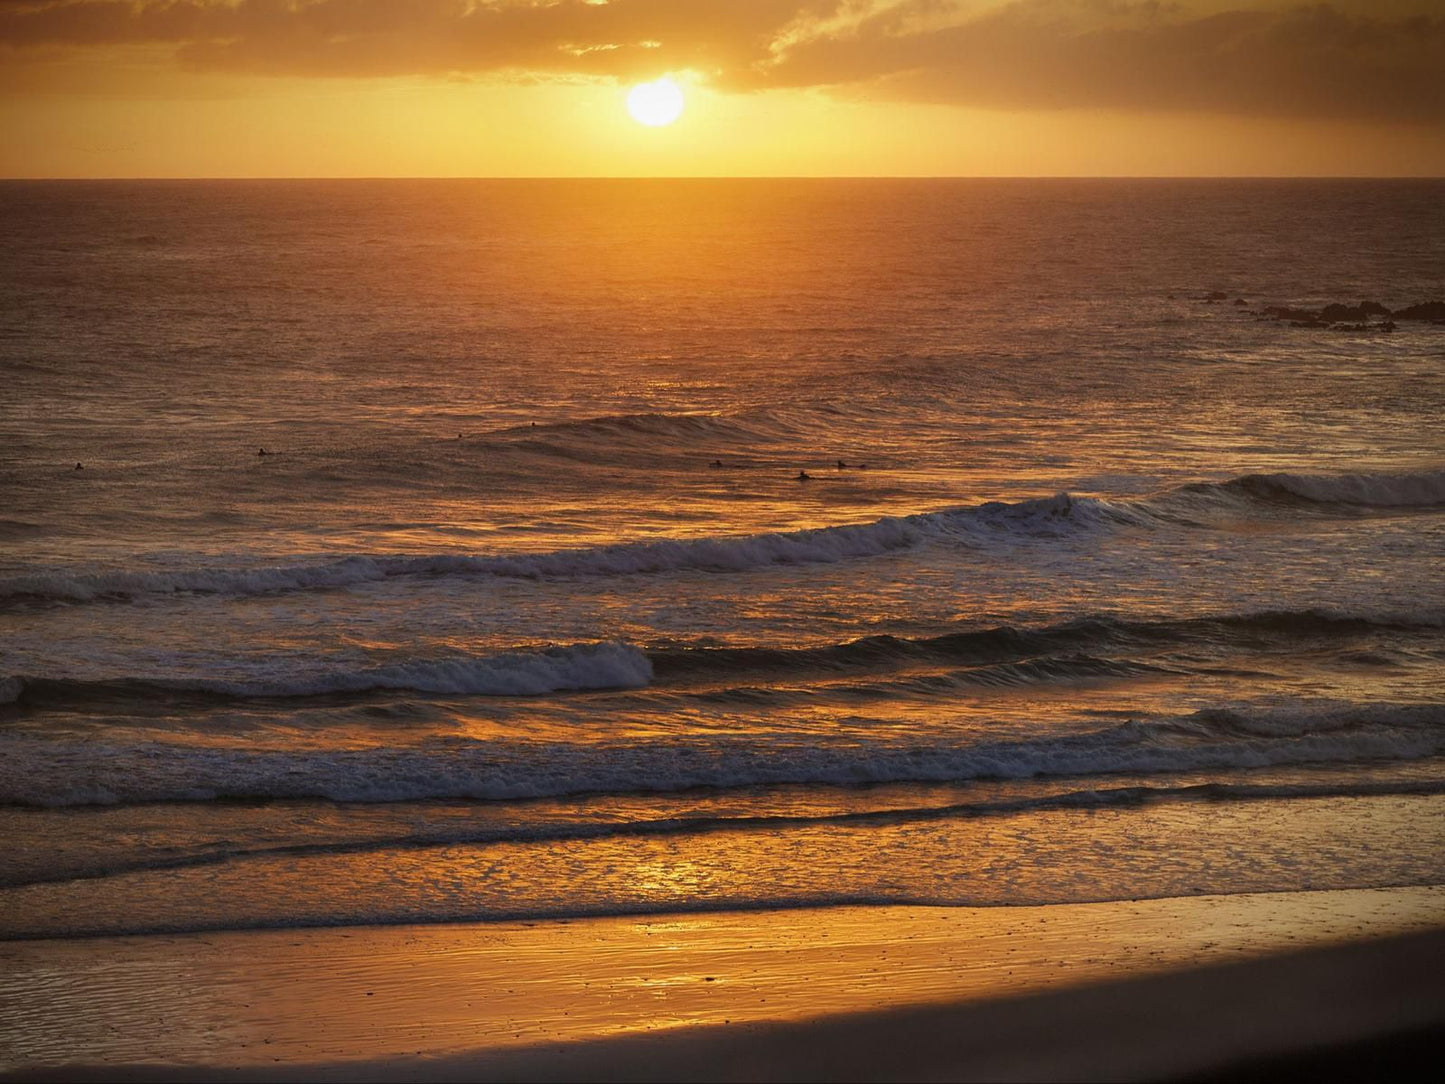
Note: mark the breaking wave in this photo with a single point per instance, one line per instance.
(997, 656)
(1007, 644)
(1004, 655)
(1060, 516)
(1048, 517)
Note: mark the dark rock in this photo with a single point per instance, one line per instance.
(1363, 311)
(1354, 317)
(1430, 310)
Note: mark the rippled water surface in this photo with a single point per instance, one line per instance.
(629, 546)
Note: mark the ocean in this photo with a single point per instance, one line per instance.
(637, 547)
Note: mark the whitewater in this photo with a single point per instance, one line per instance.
(768, 544)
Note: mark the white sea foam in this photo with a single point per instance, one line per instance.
(1002, 655)
(986, 525)
(1044, 518)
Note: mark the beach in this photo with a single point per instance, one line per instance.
(799, 994)
(626, 627)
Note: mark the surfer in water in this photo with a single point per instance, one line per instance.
(804, 476)
(263, 451)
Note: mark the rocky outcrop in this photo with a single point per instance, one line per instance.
(1434, 311)
(1341, 317)
(1337, 313)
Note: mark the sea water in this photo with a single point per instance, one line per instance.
(642, 546)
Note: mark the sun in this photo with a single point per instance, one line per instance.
(655, 104)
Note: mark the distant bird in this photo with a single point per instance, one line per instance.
(79, 467)
(804, 476)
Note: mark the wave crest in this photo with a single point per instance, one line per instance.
(1403, 489)
(982, 526)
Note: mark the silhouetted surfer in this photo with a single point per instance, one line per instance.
(715, 464)
(263, 451)
(804, 476)
(79, 467)
(842, 465)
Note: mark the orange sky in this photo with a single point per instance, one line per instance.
(126, 88)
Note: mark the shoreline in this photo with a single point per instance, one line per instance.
(528, 999)
(1361, 1010)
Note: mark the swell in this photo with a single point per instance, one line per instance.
(976, 526)
(1102, 798)
(571, 668)
(720, 554)
(1383, 490)
(1000, 656)
(1023, 674)
(41, 772)
(651, 432)
(1004, 644)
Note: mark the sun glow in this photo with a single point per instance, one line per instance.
(655, 104)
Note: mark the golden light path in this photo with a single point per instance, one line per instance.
(655, 104)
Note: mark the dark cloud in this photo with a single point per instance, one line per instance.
(1320, 61)
(1315, 61)
(420, 37)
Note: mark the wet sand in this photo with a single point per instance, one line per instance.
(872, 992)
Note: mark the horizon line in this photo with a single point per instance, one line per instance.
(759, 177)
